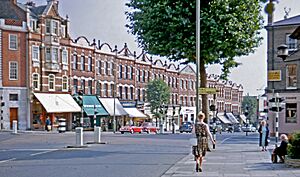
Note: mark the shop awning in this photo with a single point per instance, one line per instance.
(223, 119)
(231, 117)
(108, 104)
(91, 104)
(135, 113)
(56, 103)
(243, 117)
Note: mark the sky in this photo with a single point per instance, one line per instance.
(105, 20)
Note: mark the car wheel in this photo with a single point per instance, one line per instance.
(181, 131)
(122, 132)
(131, 131)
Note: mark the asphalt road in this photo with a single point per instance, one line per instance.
(137, 155)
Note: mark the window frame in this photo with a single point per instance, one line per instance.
(51, 83)
(15, 70)
(291, 110)
(35, 53)
(65, 82)
(36, 81)
(64, 56)
(11, 36)
(290, 78)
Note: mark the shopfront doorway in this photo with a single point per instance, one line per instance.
(13, 112)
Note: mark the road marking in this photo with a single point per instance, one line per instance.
(4, 150)
(225, 140)
(3, 161)
(44, 152)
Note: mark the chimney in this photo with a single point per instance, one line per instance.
(14, 1)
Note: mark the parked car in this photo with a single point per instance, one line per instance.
(186, 127)
(249, 128)
(131, 129)
(149, 127)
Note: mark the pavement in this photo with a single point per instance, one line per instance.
(233, 159)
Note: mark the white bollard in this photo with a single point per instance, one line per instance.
(79, 136)
(97, 134)
(15, 127)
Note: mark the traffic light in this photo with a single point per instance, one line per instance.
(276, 104)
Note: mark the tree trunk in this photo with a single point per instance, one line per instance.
(203, 81)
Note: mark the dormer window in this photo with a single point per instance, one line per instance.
(291, 43)
(52, 27)
(33, 24)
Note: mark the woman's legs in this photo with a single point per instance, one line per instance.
(199, 164)
(200, 160)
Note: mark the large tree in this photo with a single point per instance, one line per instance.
(158, 94)
(229, 28)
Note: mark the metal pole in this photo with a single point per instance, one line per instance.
(95, 120)
(214, 122)
(115, 85)
(276, 119)
(197, 55)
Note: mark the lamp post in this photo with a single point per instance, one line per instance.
(115, 89)
(197, 54)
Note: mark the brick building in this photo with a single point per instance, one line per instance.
(283, 76)
(60, 67)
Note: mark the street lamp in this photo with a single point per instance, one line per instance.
(115, 88)
(247, 119)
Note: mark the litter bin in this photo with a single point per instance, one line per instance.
(61, 125)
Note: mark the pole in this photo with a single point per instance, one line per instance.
(95, 120)
(197, 55)
(276, 119)
(115, 87)
(214, 122)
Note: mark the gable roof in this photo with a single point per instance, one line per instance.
(9, 10)
(289, 21)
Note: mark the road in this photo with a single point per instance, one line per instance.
(137, 155)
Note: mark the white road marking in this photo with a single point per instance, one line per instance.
(44, 152)
(3, 161)
(225, 140)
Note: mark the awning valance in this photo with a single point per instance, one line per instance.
(91, 104)
(108, 104)
(223, 119)
(134, 112)
(231, 117)
(57, 103)
(243, 117)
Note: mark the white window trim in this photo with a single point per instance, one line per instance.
(10, 70)
(53, 82)
(10, 47)
(62, 58)
(67, 83)
(38, 81)
(38, 53)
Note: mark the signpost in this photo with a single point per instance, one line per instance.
(204, 91)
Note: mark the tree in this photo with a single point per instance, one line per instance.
(229, 28)
(250, 104)
(158, 94)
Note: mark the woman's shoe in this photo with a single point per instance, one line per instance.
(200, 169)
(197, 168)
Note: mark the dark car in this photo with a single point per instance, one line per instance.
(186, 127)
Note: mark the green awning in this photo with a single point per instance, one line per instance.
(91, 104)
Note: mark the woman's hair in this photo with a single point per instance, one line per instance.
(283, 137)
(201, 115)
(263, 122)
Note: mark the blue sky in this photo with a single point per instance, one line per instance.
(105, 20)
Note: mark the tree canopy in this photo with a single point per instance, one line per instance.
(158, 93)
(229, 28)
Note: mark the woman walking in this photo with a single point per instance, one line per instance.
(202, 132)
(263, 135)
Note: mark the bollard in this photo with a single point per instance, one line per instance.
(61, 125)
(15, 127)
(79, 136)
(97, 134)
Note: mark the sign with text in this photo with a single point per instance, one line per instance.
(203, 91)
(274, 75)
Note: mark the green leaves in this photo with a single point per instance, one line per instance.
(158, 93)
(229, 28)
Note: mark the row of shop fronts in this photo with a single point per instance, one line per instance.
(85, 111)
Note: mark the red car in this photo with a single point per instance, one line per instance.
(131, 129)
(149, 127)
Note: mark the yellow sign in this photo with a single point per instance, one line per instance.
(274, 75)
(207, 91)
